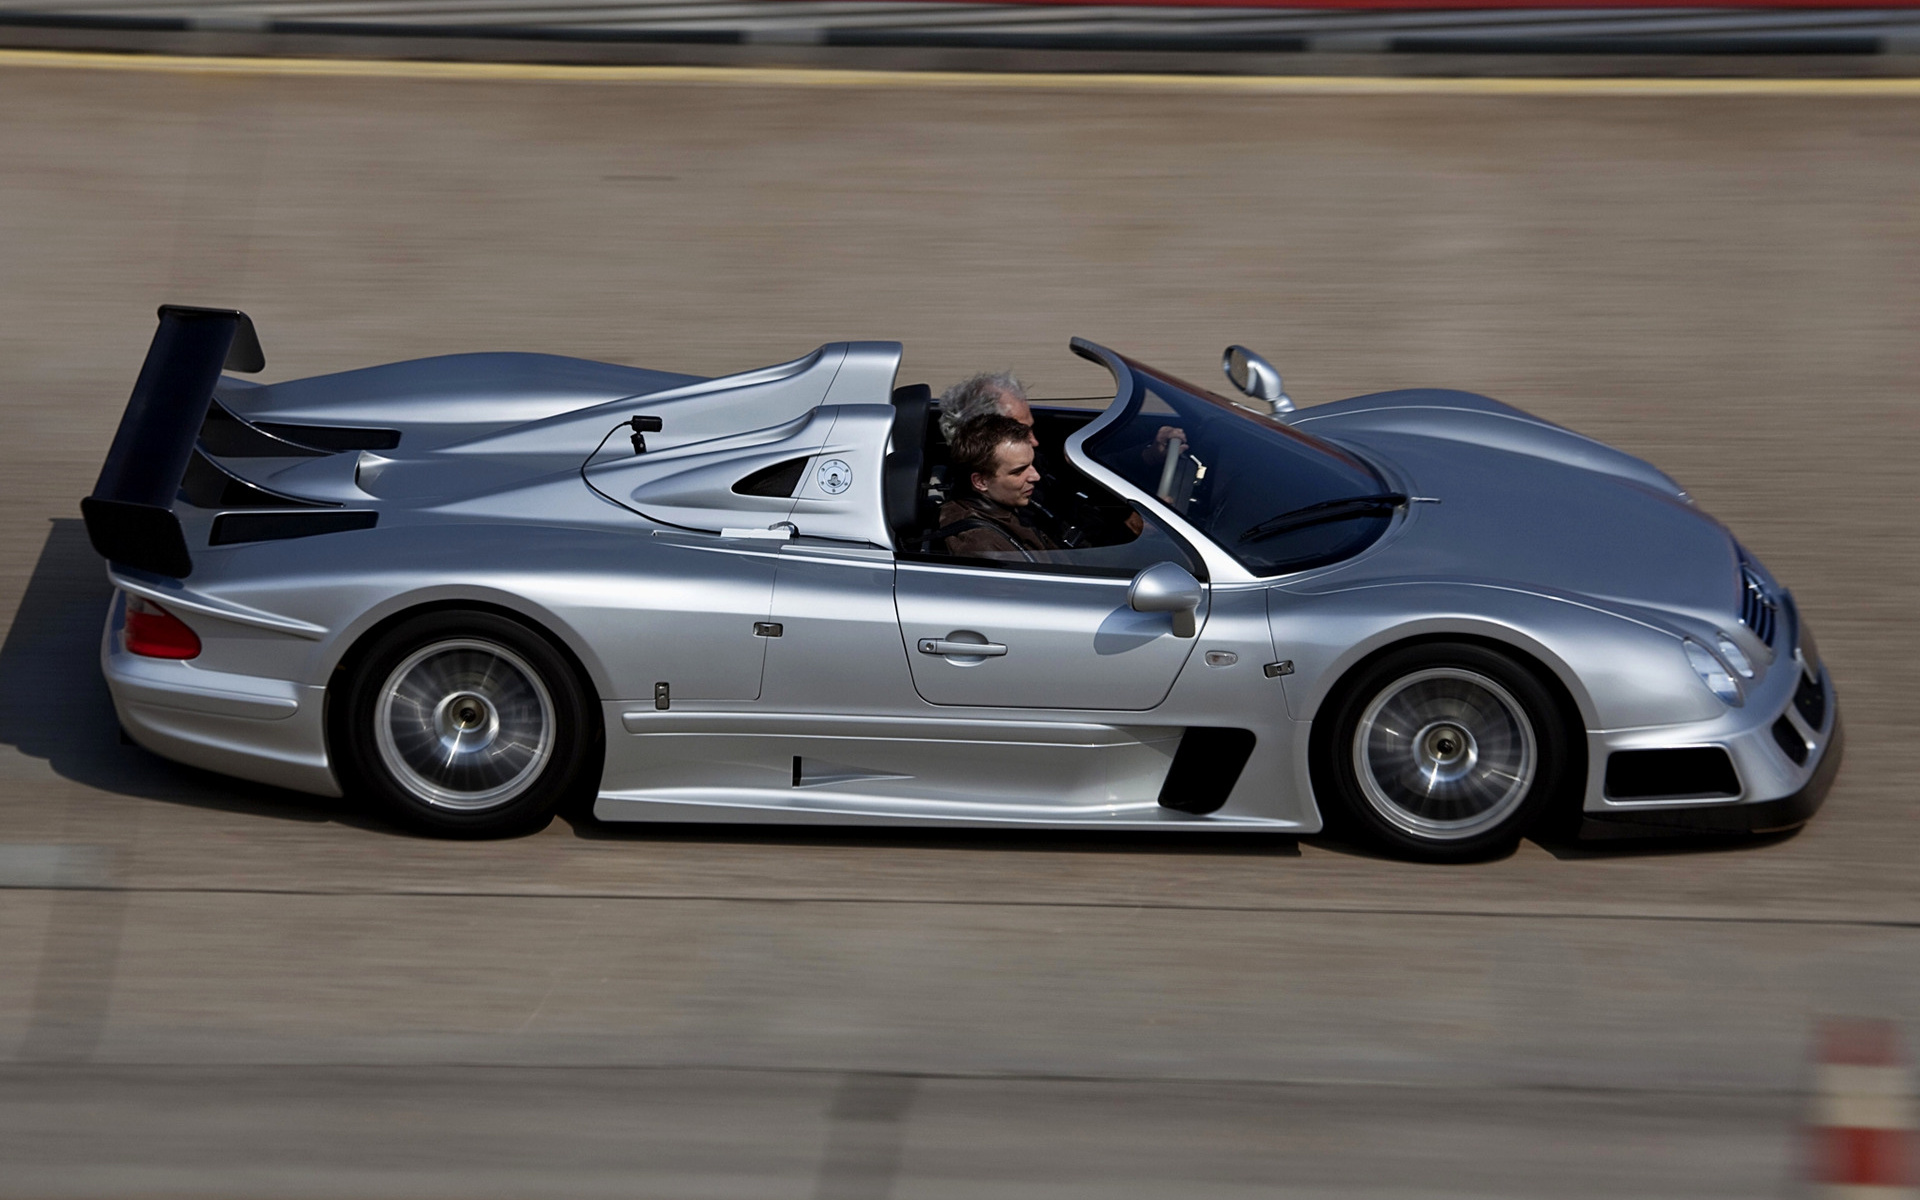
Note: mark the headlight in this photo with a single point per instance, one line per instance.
(1734, 656)
(1712, 672)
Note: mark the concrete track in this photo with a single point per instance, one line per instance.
(215, 990)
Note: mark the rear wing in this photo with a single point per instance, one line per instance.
(130, 518)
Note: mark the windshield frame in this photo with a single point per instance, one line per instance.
(1130, 395)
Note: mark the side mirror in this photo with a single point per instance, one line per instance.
(1166, 587)
(1256, 377)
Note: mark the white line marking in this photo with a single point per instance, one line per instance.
(26, 865)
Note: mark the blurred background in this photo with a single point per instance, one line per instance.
(218, 990)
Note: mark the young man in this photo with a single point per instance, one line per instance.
(993, 460)
(1054, 508)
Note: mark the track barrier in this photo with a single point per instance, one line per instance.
(705, 30)
(1861, 1137)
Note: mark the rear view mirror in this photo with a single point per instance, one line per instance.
(1256, 377)
(1167, 587)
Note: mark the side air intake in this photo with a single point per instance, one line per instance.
(1205, 768)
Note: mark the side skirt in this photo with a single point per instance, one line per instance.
(743, 807)
(814, 769)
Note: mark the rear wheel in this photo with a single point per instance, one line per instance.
(1443, 751)
(464, 724)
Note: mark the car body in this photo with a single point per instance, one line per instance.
(758, 630)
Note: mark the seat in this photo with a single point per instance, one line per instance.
(901, 492)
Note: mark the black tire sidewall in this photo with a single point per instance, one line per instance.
(1344, 805)
(352, 735)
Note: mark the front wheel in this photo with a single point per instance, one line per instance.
(464, 724)
(1443, 751)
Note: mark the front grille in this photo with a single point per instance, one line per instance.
(1758, 611)
(1811, 699)
(1790, 741)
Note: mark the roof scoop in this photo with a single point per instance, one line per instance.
(1257, 378)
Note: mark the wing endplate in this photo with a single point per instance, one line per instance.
(129, 516)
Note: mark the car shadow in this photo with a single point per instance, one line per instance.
(1048, 841)
(1659, 846)
(1567, 848)
(54, 703)
(1347, 847)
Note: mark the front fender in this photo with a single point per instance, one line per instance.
(1620, 672)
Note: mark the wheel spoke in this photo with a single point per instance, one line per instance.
(464, 724)
(1444, 753)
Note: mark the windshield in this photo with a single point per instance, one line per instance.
(1232, 473)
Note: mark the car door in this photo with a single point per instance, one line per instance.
(1054, 634)
(841, 729)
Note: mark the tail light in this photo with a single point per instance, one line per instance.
(157, 633)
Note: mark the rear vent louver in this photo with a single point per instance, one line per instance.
(333, 438)
(206, 484)
(228, 436)
(236, 527)
(1758, 611)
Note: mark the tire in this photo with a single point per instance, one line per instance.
(464, 724)
(1443, 751)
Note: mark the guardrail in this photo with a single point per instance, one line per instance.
(1245, 27)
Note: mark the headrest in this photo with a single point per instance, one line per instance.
(911, 405)
(910, 408)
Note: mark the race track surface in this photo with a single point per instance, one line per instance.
(218, 990)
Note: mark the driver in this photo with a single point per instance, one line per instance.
(1053, 506)
(989, 518)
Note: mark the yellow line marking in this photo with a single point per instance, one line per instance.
(777, 77)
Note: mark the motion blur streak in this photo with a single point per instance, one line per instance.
(1273, 85)
(215, 990)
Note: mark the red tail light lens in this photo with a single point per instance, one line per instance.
(157, 633)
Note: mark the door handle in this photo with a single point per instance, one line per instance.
(962, 649)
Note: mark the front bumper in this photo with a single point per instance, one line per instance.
(1785, 747)
(1758, 816)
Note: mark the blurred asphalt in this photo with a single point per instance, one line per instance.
(213, 989)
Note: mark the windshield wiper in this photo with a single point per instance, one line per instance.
(1326, 510)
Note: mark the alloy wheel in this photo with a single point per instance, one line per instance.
(1444, 754)
(464, 724)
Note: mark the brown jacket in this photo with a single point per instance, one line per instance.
(990, 530)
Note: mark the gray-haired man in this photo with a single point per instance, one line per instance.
(990, 393)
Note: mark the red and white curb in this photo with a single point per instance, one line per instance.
(1861, 1133)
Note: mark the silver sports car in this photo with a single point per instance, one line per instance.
(468, 587)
